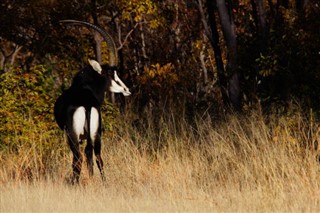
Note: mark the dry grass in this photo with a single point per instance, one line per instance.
(239, 165)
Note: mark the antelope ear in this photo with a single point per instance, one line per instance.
(95, 65)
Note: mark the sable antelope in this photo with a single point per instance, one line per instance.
(78, 110)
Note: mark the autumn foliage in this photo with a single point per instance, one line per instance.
(225, 94)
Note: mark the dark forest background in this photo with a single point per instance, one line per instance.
(187, 58)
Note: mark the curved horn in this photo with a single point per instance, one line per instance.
(113, 57)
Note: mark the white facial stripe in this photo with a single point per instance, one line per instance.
(118, 80)
(116, 88)
(125, 91)
(79, 121)
(94, 123)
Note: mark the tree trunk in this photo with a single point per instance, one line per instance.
(254, 12)
(143, 42)
(203, 65)
(261, 23)
(262, 26)
(228, 29)
(97, 38)
(213, 37)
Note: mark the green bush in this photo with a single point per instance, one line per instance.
(26, 106)
(26, 112)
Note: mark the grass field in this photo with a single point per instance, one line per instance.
(241, 164)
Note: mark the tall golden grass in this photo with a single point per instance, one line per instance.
(241, 164)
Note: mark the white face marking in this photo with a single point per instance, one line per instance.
(118, 86)
(95, 65)
(79, 121)
(94, 123)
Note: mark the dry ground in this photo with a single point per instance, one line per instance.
(241, 165)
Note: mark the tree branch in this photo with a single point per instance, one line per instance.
(126, 37)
